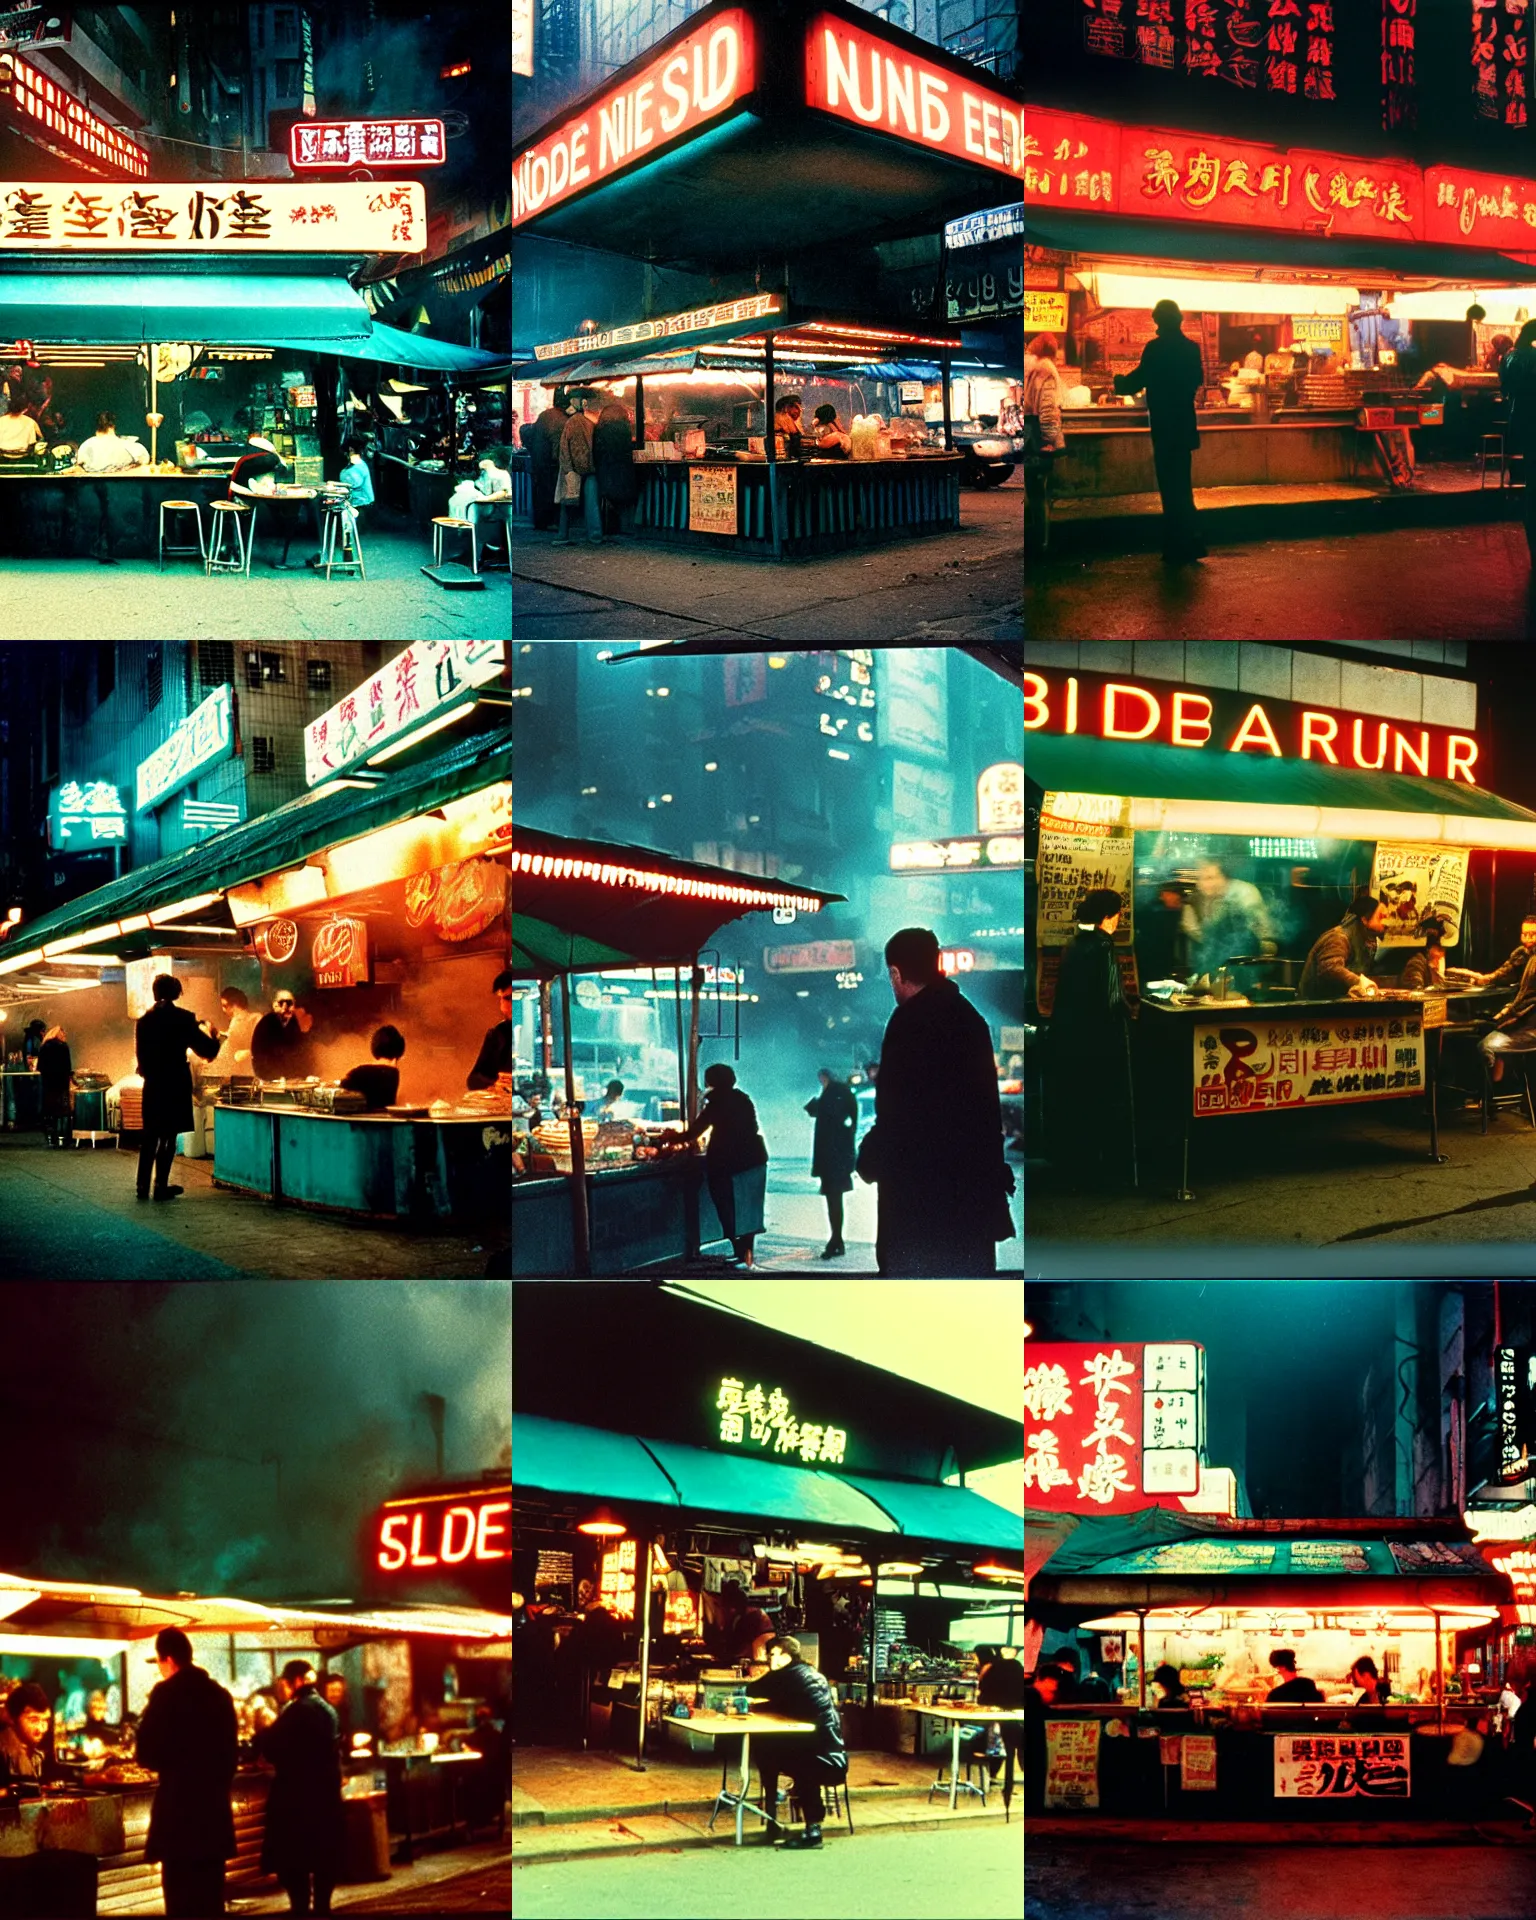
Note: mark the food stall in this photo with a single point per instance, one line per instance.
(1298, 805)
(582, 907)
(1213, 1598)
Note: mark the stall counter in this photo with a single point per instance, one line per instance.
(635, 1215)
(1109, 450)
(823, 504)
(58, 515)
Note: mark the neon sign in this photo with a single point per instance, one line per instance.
(875, 84)
(85, 811)
(725, 313)
(257, 216)
(1199, 719)
(365, 143)
(1110, 1427)
(939, 856)
(207, 734)
(706, 72)
(747, 1413)
(430, 1533)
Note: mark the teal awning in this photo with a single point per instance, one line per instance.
(281, 838)
(947, 1516)
(553, 1456)
(244, 309)
(727, 1483)
(1206, 790)
(392, 347)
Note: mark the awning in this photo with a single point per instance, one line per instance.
(1113, 236)
(554, 1456)
(948, 1516)
(1194, 790)
(272, 841)
(726, 1483)
(644, 364)
(392, 347)
(250, 308)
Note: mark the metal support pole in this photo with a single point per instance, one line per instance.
(1439, 1676)
(770, 449)
(949, 429)
(1141, 1653)
(693, 1043)
(643, 1602)
(684, 1085)
(581, 1237)
(546, 1022)
(639, 410)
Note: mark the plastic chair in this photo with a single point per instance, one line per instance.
(443, 523)
(333, 519)
(182, 552)
(235, 514)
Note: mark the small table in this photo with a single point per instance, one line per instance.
(957, 1716)
(719, 1723)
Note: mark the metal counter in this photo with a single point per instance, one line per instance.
(636, 1215)
(823, 504)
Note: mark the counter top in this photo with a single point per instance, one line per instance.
(278, 1109)
(934, 456)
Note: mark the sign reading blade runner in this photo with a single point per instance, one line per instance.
(1253, 1065)
(428, 676)
(255, 216)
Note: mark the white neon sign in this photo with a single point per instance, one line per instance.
(749, 1414)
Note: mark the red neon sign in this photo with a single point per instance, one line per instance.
(869, 81)
(366, 143)
(435, 1533)
(706, 72)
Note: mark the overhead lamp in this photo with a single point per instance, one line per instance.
(990, 1569)
(434, 725)
(602, 1523)
(13, 916)
(893, 1567)
(159, 915)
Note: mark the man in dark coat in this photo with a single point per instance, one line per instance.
(188, 1736)
(836, 1114)
(613, 442)
(280, 1039)
(1171, 373)
(936, 1148)
(1088, 1048)
(542, 439)
(793, 1687)
(162, 1038)
(303, 1839)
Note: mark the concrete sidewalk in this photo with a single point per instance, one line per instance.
(427, 1885)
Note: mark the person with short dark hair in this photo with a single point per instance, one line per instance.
(1088, 1050)
(280, 1039)
(19, 431)
(828, 438)
(302, 1841)
(794, 1688)
(1162, 945)
(787, 411)
(493, 1066)
(736, 1147)
(24, 1753)
(1335, 968)
(1424, 969)
(541, 438)
(162, 1038)
(1166, 1678)
(1374, 1691)
(943, 1188)
(1294, 1689)
(1514, 1025)
(379, 1081)
(56, 1071)
(836, 1114)
(1171, 374)
(239, 1025)
(188, 1736)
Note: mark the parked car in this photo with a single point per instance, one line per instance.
(987, 455)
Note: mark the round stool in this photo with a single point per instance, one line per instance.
(182, 552)
(334, 515)
(443, 523)
(235, 514)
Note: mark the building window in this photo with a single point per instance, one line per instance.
(319, 676)
(263, 670)
(263, 757)
(287, 79)
(216, 662)
(285, 27)
(154, 678)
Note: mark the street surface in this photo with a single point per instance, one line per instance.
(978, 1873)
(945, 586)
(132, 600)
(72, 1216)
(1461, 583)
(1174, 1881)
(473, 1878)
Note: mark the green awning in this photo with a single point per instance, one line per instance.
(250, 308)
(281, 838)
(1114, 236)
(392, 347)
(554, 1456)
(539, 948)
(947, 1516)
(1204, 790)
(727, 1483)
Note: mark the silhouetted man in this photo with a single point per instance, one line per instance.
(1171, 374)
(188, 1737)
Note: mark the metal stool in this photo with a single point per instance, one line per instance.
(182, 552)
(332, 523)
(231, 513)
(1490, 446)
(443, 523)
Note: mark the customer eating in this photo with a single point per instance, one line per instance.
(793, 1687)
(379, 1081)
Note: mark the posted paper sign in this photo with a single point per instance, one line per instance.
(1411, 881)
(1072, 1763)
(712, 500)
(1338, 1766)
(1197, 1763)
(1259, 1066)
(1085, 842)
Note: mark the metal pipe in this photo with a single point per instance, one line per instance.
(581, 1239)
(643, 1602)
(684, 1089)
(949, 430)
(1141, 1654)
(693, 1041)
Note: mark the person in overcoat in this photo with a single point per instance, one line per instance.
(188, 1736)
(303, 1840)
(936, 1148)
(794, 1688)
(735, 1146)
(836, 1114)
(541, 437)
(613, 440)
(56, 1070)
(162, 1037)
(1089, 1100)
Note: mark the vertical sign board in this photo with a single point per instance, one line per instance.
(712, 500)
(522, 38)
(427, 677)
(1071, 1763)
(1112, 1426)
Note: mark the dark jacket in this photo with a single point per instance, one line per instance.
(54, 1068)
(1419, 976)
(378, 1083)
(1519, 966)
(303, 1832)
(1002, 1685)
(279, 1052)
(162, 1037)
(575, 454)
(836, 1114)
(188, 1737)
(800, 1692)
(735, 1145)
(612, 454)
(1517, 379)
(544, 441)
(495, 1056)
(1171, 371)
(1338, 959)
(18, 1761)
(936, 1148)
(1301, 1690)
(1162, 945)
(1089, 1012)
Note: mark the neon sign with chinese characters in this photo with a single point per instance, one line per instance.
(425, 678)
(1224, 721)
(703, 74)
(944, 856)
(207, 734)
(366, 143)
(748, 1415)
(437, 1532)
(82, 813)
(1110, 1427)
(259, 216)
(668, 326)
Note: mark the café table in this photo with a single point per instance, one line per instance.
(959, 1716)
(746, 1725)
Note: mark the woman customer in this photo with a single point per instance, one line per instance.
(1043, 437)
(735, 1147)
(56, 1071)
(836, 1113)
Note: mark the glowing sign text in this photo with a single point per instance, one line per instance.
(747, 1413)
(438, 1534)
